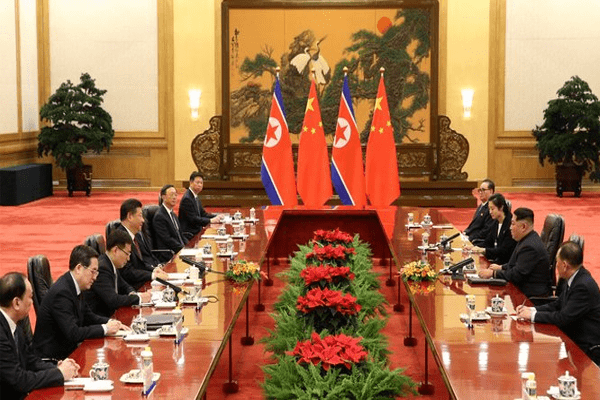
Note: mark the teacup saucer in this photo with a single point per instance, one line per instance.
(99, 386)
(134, 376)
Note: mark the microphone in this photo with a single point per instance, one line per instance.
(199, 264)
(448, 239)
(460, 264)
(176, 288)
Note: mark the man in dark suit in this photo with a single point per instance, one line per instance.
(482, 221)
(142, 266)
(192, 215)
(577, 310)
(110, 291)
(21, 371)
(64, 319)
(529, 264)
(165, 225)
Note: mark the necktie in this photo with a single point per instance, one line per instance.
(176, 227)
(16, 337)
(137, 246)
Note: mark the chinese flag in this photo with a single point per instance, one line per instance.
(347, 171)
(277, 168)
(383, 185)
(314, 180)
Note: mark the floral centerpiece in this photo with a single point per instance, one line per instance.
(330, 351)
(243, 271)
(323, 275)
(418, 271)
(330, 255)
(328, 309)
(334, 237)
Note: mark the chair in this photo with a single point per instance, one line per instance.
(25, 326)
(111, 226)
(148, 212)
(553, 234)
(96, 242)
(508, 205)
(38, 273)
(577, 239)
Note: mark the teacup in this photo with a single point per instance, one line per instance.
(411, 218)
(252, 213)
(237, 216)
(99, 371)
(425, 239)
(427, 219)
(567, 386)
(191, 293)
(194, 272)
(207, 249)
(497, 304)
(221, 231)
(447, 261)
(168, 295)
(139, 325)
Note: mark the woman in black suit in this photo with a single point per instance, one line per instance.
(499, 244)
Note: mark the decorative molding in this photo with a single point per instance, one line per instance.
(206, 151)
(453, 151)
(246, 159)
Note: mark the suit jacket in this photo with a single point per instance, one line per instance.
(529, 267)
(21, 370)
(165, 234)
(64, 320)
(192, 215)
(576, 311)
(137, 270)
(499, 246)
(103, 298)
(480, 224)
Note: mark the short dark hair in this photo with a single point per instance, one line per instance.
(572, 253)
(523, 213)
(11, 285)
(163, 191)
(83, 255)
(490, 184)
(119, 238)
(196, 174)
(499, 201)
(128, 207)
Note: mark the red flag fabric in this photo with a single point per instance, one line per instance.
(347, 171)
(381, 173)
(277, 168)
(314, 179)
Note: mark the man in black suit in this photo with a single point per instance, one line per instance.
(165, 225)
(110, 291)
(577, 310)
(142, 266)
(192, 215)
(64, 319)
(529, 264)
(482, 221)
(21, 371)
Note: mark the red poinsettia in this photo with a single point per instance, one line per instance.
(316, 273)
(330, 351)
(345, 304)
(330, 254)
(332, 237)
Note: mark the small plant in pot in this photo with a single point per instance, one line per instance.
(75, 124)
(569, 137)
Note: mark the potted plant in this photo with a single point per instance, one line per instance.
(75, 124)
(569, 137)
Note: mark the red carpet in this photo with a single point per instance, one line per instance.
(53, 226)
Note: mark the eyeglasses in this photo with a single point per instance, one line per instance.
(93, 271)
(127, 253)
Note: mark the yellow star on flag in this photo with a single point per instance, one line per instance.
(378, 103)
(309, 105)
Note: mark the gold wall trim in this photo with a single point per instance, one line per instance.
(18, 47)
(166, 59)
(43, 42)
(496, 78)
(20, 146)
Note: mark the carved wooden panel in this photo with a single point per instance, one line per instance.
(206, 151)
(453, 151)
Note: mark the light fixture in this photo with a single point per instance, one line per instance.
(194, 95)
(467, 101)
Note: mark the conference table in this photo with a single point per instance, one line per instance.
(483, 362)
(187, 366)
(488, 360)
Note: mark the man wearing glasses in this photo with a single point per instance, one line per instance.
(482, 220)
(529, 264)
(64, 319)
(110, 291)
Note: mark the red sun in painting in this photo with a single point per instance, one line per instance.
(383, 24)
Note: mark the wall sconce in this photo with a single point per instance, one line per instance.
(194, 95)
(467, 101)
